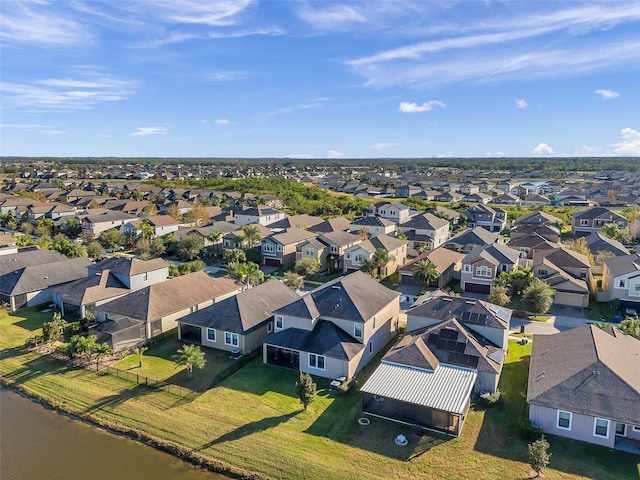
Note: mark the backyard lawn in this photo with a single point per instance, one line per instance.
(158, 364)
(254, 421)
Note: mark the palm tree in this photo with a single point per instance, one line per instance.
(370, 267)
(382, 258)
(251, 234)
(146, 229)
(139, 351)
(215, 237)
(425, 271)
(190, 356)
(102, 351)
(248, 273)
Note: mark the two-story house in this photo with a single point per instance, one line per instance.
(424, 232)
(335, 330)
(396, 212)
(279, 250)
(106, 281)
(328, 249)
(373, 225)
(492, 219)
(592, 220)
(261, 214)
(621, 279)
(96, 224)
(568, 272)
(396, 249)
(482, 264)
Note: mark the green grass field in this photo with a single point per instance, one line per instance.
(254, 421)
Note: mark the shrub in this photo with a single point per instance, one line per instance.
(528, 430)
(491, 399)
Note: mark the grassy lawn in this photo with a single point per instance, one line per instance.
(323, 278)
(254, 421)
(600, 310)
(158, 364)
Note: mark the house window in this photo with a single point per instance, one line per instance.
(145, 276)
(267, 247)
(621, 284)
(583, 274)
(211, 334)
(483, 271)
(279, 248)
(636, 287)
(269, 327)
(279, 322)
(156, 327)
(467, 268)
(584, 223)
(360, 258)
(357, 330)
(334, 249)
(348, 256)
(601, 428)
(370, 348)
(636, 428)
(316, 361)
(564, 420)
(193, 308)
(309, 252)
(621, 429)
(621, 225)
(542, 273)
(231, 339)
(374, 324)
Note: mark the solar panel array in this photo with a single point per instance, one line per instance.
(463, 360)
(472, 317)
(447, 340)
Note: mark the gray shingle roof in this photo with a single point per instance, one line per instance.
(354, 297)
(245, 311)
(38, 277)
(16, 261)
(325, 339)
(587, 370)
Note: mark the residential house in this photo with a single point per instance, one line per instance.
(235, 239)
(584, 385)
(373, 225)
(338, 224)
(448, 263)
(162, 224)
(454, 347)
(483, 264)
(424, 232)
(443, 212)
(568, 272)
(240, 322)
(469, 239)
(279, 250)
(96, 224)
(106, 280)
(406, 191)
(146, 313)
(621, 280)
(449, 197)
(592, 220)
(328, 249)
(26, 277)
(602, 247)
(53, 211)
(528, 244)
(546, 231)
(261, 214)
(505, 199)
(494, 220)
(536, 199)
(482, 198)
(336, 329)
(356, 255)
(538, 218)
(396, 212)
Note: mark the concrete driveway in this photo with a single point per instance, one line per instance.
(555, 324)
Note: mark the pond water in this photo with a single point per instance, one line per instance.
(36, 443)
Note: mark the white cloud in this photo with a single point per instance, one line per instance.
(335, 154)
(229, 76)
(494, 50)
(315, 103)
(382, 145)
(41, 25)
(607, 94)
(68, 93)
(218, 13)
(630, 144)
(521, 103)
(223, 121)
(542, 149)
(411, 107)
(24, 126)
(144, 131)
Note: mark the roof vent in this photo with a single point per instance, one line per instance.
(469, 302)
(336, 287)
(447, 299)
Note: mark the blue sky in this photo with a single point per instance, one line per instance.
(355, 79)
